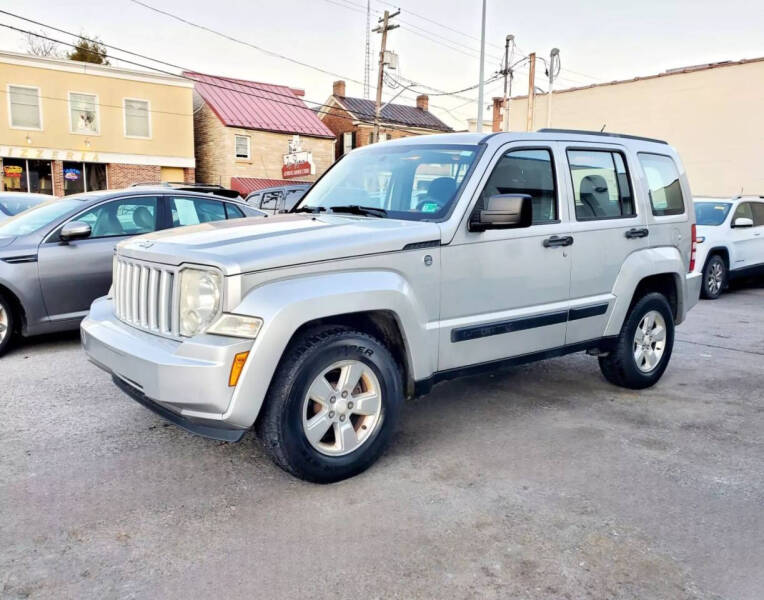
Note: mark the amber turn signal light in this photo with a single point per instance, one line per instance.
(236, 367)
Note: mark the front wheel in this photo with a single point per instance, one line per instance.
(6, 324)
(333, 404)
(714, 277)
(643, 348)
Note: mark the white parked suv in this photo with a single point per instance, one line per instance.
(730, 241)
(406, 264)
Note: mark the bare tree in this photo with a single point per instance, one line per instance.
(39, 46)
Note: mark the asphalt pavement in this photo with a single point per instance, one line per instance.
(540, 482)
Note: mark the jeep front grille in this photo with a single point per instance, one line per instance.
(146, 295)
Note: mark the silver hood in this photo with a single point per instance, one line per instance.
(245, 245)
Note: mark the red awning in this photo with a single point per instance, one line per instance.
(247, 185)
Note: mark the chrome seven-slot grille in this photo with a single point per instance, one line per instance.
(146, 295)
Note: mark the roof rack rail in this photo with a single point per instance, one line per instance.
(177, 183)
(604, 134)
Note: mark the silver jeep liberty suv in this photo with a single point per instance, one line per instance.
(408, 263)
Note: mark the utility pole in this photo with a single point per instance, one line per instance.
(508, 75)
(383, 28)
(367, 53)
(481, 108)
(531, 90)
(554, 70)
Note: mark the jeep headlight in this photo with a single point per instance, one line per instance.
(200, 300)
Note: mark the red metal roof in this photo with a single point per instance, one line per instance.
(247, 185)
(255, 105)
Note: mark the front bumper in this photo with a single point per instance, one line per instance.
(186, 382)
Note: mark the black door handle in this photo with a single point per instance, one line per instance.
(558, 240)
(637, 232)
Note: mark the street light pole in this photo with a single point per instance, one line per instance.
(482, 74)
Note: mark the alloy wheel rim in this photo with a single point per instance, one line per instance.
(343, 408)
(3, 323)
(650, 341)
(715, 277)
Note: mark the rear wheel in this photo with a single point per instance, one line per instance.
(643, 347)
(332, 406)
(714, 277)
(7, 324)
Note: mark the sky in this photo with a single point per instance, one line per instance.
(437, 41)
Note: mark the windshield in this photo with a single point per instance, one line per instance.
(409, 182)
(711, 213)
(37, 217)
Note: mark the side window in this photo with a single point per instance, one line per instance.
(663, 182)
(526, 172)
(126, 216)
(758, 213)
(192, 211)
(233, 212)
(601, 188)
(270, 200)
(743, 210)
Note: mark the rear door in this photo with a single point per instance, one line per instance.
(75, 273)
(193, 210)
(607, 225)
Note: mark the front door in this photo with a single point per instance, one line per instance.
(748, 241)
(505, 291)
(74, 274)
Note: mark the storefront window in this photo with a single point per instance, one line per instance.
(14, 175)
(84, 177)
(21, 175)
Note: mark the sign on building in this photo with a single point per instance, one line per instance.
(297, 162)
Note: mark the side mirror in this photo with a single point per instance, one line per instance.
(503, 211)
(75, 230)
(742, 222)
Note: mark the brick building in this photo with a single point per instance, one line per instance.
(352, 120)
(250, 135)
(68, 127)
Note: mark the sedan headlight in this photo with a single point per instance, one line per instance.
(200, 300)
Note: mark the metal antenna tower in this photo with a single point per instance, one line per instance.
(367, 65)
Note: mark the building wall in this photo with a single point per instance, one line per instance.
(216, 161)
(713, 117)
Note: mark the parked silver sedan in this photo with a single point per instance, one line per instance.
(13, 203)
(56, 258)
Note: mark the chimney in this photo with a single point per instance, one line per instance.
(423, 102)
(498, 114)
(338, 89)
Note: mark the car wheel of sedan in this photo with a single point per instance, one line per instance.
(6, 324)
(643, 348)
(714, 277)
(332, 406)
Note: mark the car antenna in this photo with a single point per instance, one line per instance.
(603, 127)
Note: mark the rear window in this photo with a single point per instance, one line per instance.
(711, 213)
(663, 182)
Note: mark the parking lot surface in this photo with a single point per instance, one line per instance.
(540, 482)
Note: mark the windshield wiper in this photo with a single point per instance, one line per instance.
(355, 209)
(309, 209)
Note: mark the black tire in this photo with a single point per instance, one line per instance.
(620, 366)
(280, 423)
(9, 322)
(715, 265)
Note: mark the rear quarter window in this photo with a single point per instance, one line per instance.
(663, 184)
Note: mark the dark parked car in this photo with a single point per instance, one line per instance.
(56, 258)
(12, 203)
(276, 199)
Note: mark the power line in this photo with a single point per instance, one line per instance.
(294, 103)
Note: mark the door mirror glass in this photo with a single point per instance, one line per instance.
(504, 211)
(75, 230)
(742, 222)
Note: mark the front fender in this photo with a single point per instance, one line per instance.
(637, 266)
(285, 305)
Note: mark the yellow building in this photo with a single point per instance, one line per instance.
(713, 114)
(68, 126)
